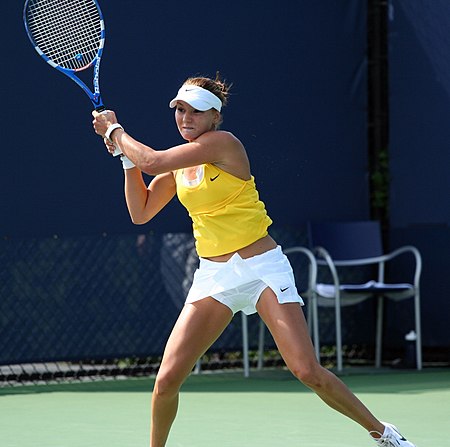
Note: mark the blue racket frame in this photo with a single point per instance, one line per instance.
(94, 95)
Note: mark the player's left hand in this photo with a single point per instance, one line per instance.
(110, 146)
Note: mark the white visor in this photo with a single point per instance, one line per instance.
(197, 97)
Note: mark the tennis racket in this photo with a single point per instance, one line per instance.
(70, 36)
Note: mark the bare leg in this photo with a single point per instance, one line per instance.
(196, 329)
(287, 325)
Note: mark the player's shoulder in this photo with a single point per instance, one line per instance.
(221, 137)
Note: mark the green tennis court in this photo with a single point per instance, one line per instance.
(225, 409)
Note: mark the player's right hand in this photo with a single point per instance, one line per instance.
(102, 120)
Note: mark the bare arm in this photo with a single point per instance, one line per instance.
(145, 202)
(216, 147)
(212, 147)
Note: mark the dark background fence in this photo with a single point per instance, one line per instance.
(78, 280)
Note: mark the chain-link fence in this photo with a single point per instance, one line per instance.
(84, 298)
(94, 300)
(104, 304)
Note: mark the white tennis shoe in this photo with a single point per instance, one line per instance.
(392, 438)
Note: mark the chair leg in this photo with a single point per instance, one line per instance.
(198, 366)
(379, 332)
(338, 336)
(418, 331)
(245, 344)
(261, 335)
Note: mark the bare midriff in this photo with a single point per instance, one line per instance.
(256, 248)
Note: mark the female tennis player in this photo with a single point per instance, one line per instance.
(241, 267)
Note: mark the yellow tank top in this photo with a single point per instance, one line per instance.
(225, 210)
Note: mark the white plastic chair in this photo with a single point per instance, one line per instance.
(348, 244)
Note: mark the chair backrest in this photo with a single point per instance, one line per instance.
(347, 240)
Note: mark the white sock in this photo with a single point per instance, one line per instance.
(378, 433)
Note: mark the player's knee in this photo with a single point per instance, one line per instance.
(167, 384)
(310, 374)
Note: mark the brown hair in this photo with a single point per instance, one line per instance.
(216, 86)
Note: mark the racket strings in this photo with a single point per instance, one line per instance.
(68, 32)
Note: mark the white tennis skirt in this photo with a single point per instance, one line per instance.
(238, 283)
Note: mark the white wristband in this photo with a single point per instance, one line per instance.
(126, 162)
(111, 129)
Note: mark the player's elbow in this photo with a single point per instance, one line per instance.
(151, 168)
(139, 219)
